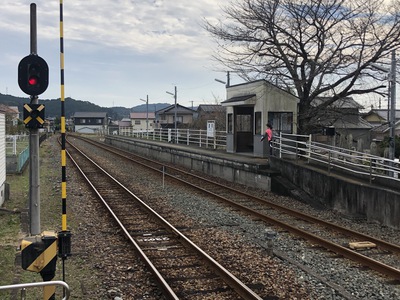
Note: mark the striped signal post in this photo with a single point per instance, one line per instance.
(38, 252)
(64, 236)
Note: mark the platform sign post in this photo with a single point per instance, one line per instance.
(211, 132)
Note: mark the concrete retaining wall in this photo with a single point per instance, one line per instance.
(246, 174)
(351, 197)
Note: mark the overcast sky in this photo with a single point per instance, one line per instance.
(117, 51)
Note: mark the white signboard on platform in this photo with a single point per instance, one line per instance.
(211, 128)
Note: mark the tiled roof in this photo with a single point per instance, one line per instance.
(211, 108)
(239, 98)
(79, 114)
(346, 102)
(142, 115)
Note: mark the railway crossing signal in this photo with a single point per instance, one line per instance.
(34, 115)
(33, 75)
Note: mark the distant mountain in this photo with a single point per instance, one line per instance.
(53, 107)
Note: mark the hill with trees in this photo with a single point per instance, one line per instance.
(53, 107)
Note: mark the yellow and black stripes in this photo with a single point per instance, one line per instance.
(63, 125)
(39, 254)
(64, 237)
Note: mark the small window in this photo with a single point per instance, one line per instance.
(179, 119)
(257, 123)
(137, 122)
(230, 123)
(281, 121)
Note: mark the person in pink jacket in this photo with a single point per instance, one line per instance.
(268, 134)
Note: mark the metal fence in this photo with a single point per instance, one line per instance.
(348, 160)
(15, 144)
(24, 286)
(190, 137)
(17, 152)
(289, 146)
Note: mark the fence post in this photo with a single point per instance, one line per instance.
(188, 137)
(309, 148)
(14, 144)
(329, 162)
(370, 170)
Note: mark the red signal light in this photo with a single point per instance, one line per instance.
(33, 75)
(33, 80)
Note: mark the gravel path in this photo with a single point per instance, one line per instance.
(100, 251)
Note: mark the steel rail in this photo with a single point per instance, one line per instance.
(381, 243)
(348, 253)
(159, 278)
(228, 277)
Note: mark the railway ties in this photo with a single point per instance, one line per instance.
(317, 231)
(180, 266)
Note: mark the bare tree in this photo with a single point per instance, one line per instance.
(311, 48)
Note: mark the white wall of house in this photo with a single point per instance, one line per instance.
(91, 129)
(141, 124)
(2, 157)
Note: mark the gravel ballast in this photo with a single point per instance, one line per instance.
(99, 250)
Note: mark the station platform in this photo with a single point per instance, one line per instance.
(241, 168)
(315, 186)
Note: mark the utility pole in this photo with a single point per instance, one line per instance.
(391, 104)
(228, 79)
(176, 107)
(147, 114)
(392, 119)
(34, 170)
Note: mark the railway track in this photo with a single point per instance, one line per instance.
(180, 267)
(382, 256)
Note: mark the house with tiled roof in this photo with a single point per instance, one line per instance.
(379, 117)
(166, 117)
(344, 115)
(142, 121)
(91, 122)
(207, 112)
(378, 133)
(12, 114)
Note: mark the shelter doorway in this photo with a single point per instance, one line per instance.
(244, 129)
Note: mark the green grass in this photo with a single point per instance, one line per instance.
(10, 223)
(79, 275)
(10, 232)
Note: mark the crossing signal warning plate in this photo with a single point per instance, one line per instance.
(33, 115)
